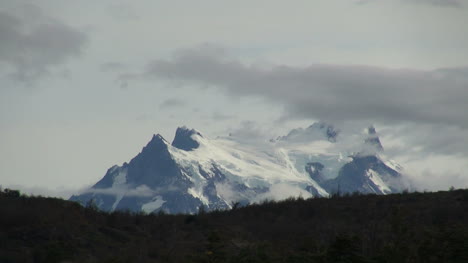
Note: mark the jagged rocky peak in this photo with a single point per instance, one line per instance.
(194, 171)
(156, 145)
(185, 140)
(156, 141)
(373, 138)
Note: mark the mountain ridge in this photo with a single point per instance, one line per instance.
(195, 171)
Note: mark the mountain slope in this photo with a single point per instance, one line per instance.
(195, 171)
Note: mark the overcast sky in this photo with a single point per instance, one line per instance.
(85, 84)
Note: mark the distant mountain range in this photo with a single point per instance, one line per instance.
(195, 171)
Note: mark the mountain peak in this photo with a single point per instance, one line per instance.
(373, 138)
(217, 172)
(157, 138)
(184, 139)
(156, 142)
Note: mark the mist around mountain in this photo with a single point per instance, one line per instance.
(196, 172)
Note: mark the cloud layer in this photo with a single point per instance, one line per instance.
(441, 3)
(332, 92)
(450, 3)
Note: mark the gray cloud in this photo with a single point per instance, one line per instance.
(218, 116)
(441, 3)
(172, 103)
(123, 11)
(430, 139)
(32, 43)
(431, 181)
(332, 92)
(112, 66)
(446, 3)
(251, 132)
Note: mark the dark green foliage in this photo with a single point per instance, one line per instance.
(408, 227)
(11, 193)
(91, 205)
(345, 249)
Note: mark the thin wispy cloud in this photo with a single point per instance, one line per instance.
(172, 103)
(112, 66)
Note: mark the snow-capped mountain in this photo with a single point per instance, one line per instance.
(195, 171)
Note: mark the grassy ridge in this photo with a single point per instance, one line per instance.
(410, 227)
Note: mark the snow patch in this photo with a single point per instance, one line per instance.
(120, 179)
(393, 164)
(156, 203)
(119, 182)
(197, 193)
(377, 180)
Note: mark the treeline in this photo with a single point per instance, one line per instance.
(407, 227)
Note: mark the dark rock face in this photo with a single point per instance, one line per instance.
(131, 203)
(180, 202)
(154, 169)
(154, 166)
(330, 131)
(108, 179)
(152, 174)
(314, 169)
(354, 176)
(183, 139)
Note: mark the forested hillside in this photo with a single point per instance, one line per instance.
(407, 227)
